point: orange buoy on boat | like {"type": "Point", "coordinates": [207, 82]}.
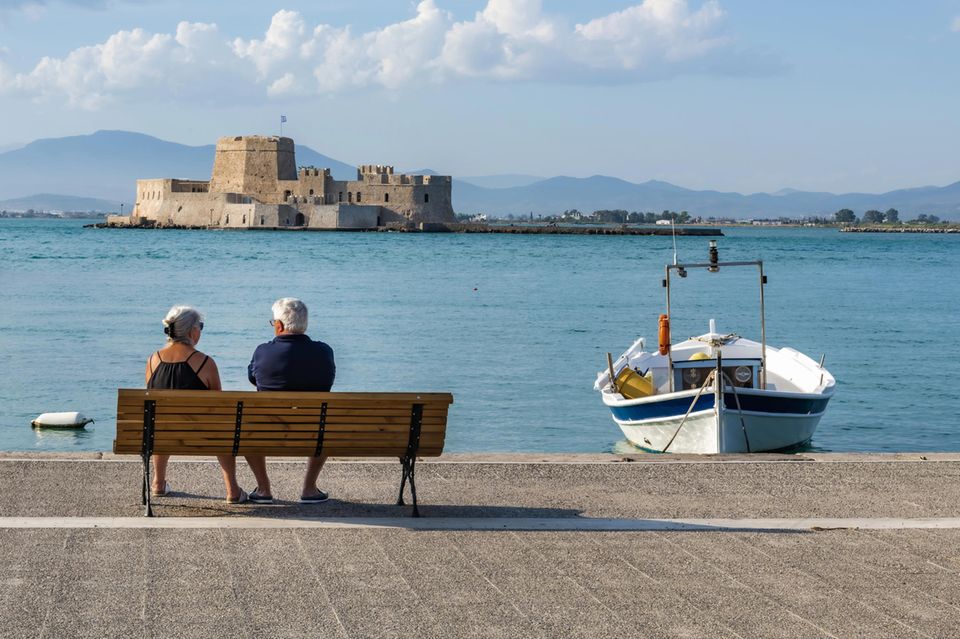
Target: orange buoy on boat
{"type": "Point", "coordinates": [664, 334]}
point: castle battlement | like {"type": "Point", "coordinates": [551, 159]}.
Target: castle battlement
{"type": "Point", "coordinates": [375, 169]}
{"type": "Point", "coordinates": [312, 171]}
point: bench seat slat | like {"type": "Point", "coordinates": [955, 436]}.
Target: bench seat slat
{"type": "Point", "coordinates": [168, 421]}
{"type": "Point", "coordinates": [263, 401]}
{"type": "Point", "coordinates": [301, 395]}
{"type": "Point", "coordinates": [279, 419]}
{"type": "Point", "coordinates": [137, 431]}
{"type": "Point", "coordinates": [280, 436]}
{"type": "Point", "coordinates": [304, 451]}
{"type": "Point", "coordinates": [277, 451]}
{"type": "Point", "coordinates": [282, 407]}
{"type": "Point", "coordinates": [226, 398]}
{"type": "Point", "coordinates": [226, 415]}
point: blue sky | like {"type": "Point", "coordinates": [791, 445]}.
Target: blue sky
{"type": "Point", "coordinates": [725, 94]}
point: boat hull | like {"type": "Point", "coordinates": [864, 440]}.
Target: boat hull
{"type": "Point", "coordinates": [787, 421]}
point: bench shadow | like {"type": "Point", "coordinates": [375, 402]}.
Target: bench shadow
{"type": "Point", "coordinates": [452, 517]}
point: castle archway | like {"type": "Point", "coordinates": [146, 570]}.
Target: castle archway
{"type": "Point", "coordinates": [299, 220]}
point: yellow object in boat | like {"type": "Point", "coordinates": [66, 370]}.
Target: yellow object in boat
{"type": "Point", "coordinates": [698, 356]}
{"type": "Point", "coordinates": [633, 385]}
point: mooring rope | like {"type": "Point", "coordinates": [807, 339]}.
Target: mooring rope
{"type": "Point", "coordinates": [690, 410]}
{"type": "Point", "coordinates": [743, 423]}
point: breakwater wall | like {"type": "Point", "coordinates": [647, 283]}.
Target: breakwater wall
{"type": "Point", "coordinates": [425, 227]}
{"type": "Point", "coordinates": [546, 229]}
{"type": "Point", "coordinates": [900, 229]}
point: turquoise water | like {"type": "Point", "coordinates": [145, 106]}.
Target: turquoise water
{"type": "Point", "coordinates": [516, 327]}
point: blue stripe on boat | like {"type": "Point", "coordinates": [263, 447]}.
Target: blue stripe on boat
{"type": "Point", "coordinates": [759, 404]}
{"type": "Point", "coordinates": [767, 404]}
{"type": "Point", "coordinates": [666, 408]}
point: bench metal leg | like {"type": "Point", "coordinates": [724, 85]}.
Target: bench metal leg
{"type": "Point", "coordinates": [413, 486]}
{"type": "Point", "coordinates": [149, 419]}
{"type": "Point", "coordinates": [409, 467]}
{"type": "Point", "coordinates": [403, 481]}
{"type": "Point", "coordinates": [148, 511]}
{"type": "Point", "coordinates": [409, 460]}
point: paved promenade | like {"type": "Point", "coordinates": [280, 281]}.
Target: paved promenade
{"type": "Point", "coordinates": [810, 545]}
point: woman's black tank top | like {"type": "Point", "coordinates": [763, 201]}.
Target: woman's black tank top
{"type": "Point", "coordinates": [177, 375]}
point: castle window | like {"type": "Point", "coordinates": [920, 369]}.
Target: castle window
{"type": "Point", "coordinates": [244, 221]}
{"type": "Point", "coordinates": [286, 195]}
{"type": "Point", "coordinates": [261, 220]}
{"type": "Point", "coordinates": [358, 196]}
{"type": "Point", "coordinates": [426, 198]}
{"type": "Point", "coordinates": [340, 196]}
{"type": "Point", "coordinates": [227, 219]}
{"type": "Point", "coordinates": [386, 197]}
{"type": "Point", "coordinates": [349, 196]}
{"type": "Point", "coordinates": [311, 191]}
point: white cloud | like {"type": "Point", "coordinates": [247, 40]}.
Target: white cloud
{"type": "Point", "coordinates": [509, 40]}
{"type": "Point", "coordinates": [191, 62]}
{"type": "Point", "coordinates": [657, 30]}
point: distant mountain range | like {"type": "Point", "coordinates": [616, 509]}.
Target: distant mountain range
{"type": "Point", "coordinates": [107, 164]}
{"type": "Point", "coordinates": [98, 171]}
{"type": "Point", "coordinates": [52, 202]}
{"type": "Point", "coordinates": [601, 192]}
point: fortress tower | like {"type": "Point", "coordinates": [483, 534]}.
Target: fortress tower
{"type": "Point", "coordinates": [254, 165]}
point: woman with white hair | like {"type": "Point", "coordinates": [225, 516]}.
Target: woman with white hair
{"type": "Point", "coordinates": [179, 365]}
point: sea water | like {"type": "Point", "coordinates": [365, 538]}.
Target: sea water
{"type": "Point", "coordinates": [515, 326]}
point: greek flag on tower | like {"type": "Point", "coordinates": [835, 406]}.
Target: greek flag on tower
{"type": "Point", "coordinates": [283, 118]}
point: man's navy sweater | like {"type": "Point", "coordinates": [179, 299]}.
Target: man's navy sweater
{"type": "Point", "coordinates": [292, 363]}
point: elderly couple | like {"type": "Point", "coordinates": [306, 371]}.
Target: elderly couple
{"type": "Point", "coordinates": [290, 362]}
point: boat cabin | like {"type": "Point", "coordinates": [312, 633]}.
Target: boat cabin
{"type": "Point", "coordinates": [742, 373]}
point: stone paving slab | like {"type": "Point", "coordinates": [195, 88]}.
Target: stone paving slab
{"type": "Point", "coordinates": [400, 582]}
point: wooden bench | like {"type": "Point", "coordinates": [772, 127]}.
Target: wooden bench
{"type": "Point", "coordinates": [281, 424]}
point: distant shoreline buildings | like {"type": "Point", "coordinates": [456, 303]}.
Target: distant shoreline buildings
{"type": "Point", "coordinates": [255, 183]}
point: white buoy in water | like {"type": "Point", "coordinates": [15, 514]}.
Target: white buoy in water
{"type": "Point", "coordinates": [71, 419]}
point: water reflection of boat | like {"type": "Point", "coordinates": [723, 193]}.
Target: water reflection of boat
{"type": "Point", "coordinates": [715, 393]}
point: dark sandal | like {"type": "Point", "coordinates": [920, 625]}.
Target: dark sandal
{"type": "Point", "coordinates": [256, 498]}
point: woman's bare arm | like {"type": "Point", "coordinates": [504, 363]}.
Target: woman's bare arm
{"type": "Point", "coordinates": [149, 369]}
{"type": "Point", "coordinates": [211, 375]}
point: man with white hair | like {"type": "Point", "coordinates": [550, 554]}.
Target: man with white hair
{"type": "Point", "coordinates": [290, 362]}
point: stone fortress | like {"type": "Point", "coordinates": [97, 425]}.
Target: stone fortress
{"type": "Point", "coordinates": [256, 184]}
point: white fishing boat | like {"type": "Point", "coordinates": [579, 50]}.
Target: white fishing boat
{"type": "Point", "coordinates": [715, 393]}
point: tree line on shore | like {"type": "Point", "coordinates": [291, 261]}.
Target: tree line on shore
{"type": "Point", "coordinates": [607, 216]}
{"type": "Point", "coordinates": [31, 213]}
{"type": "Point", "coordinates": [873, 216]}
{"type": "Point", "coordinates": [843, 217]}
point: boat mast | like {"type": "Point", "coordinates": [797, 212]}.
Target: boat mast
{"type": "Point", "coordinates": [763, 331]}
{"type": "Point", "coordinates": [666, 285]}
{"type": "Point", "coordinates": [713, 266]}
